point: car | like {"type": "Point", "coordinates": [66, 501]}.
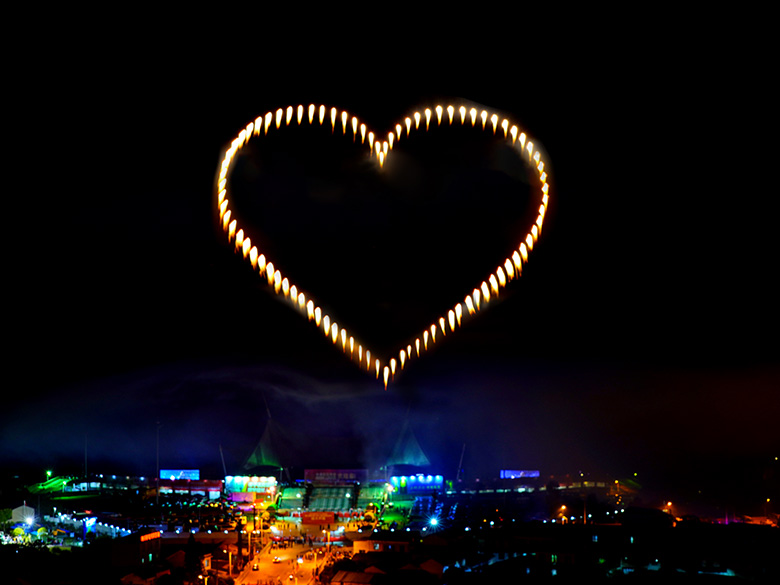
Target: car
{"type": "Point", "coordinates": [277, 560]}
{"type": "Point", "coordinates": [256, 567]}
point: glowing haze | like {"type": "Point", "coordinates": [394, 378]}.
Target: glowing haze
{"type": "Point", "coordinates": [378, 148]}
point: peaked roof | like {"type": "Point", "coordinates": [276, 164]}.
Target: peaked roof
{"type": "Point", "coordinates": [283, 448]}
{"type": "Point", "coordinates": [268, 451]}
{"type": "Point", "coordinates": [407, 450]}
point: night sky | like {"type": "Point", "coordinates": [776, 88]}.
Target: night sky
{"type": "Point", "coordinates": [641, 338]}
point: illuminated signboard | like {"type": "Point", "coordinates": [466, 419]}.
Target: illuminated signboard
{"type": "Point", "coordinates": [89, 525]}
{"type": "Point", "coordinates": [318, 518]}
{"type": "Point", "coordinates": [150, 536]}
{"type": "Point", "coordinates": [244, 483]}
{"type": "Point", "coordinates": [417, 483]}
{"type": "Point", "coordinates": [335, 476]}
{"type": "Point", "coordinates": [517, 474]}
{"type": "Point", "coordinates": [174, 474]}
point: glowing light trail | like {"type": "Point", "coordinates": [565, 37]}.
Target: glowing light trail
{"type": "Point", "coordinates": [482, 294]}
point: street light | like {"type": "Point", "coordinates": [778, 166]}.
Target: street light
{"type": "Point", "coordinates": [230, 561]}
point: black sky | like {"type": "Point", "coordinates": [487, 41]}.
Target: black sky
{"type": "Point", "coordinates": [642, 336]}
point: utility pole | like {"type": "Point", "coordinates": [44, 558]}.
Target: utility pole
{"type": "Point", "coordinates": [460, 464]}
{"type": "Point", "coordinates": [222, 456]}
{"type": "Point", "coordinates": [157, 491]}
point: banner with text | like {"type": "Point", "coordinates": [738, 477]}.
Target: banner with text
{"type": "Point", "coordinates": [335, 476]}
{"type": "Point", "coordinates": [318, 518]}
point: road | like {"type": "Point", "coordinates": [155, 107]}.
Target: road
{"type": "Point", "coordinates": [272, 572]}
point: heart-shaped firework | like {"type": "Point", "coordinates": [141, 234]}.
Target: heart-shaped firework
{"type": "Point", "coordinates": [378, 149]}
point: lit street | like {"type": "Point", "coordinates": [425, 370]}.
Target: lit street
{"type": "Point", "coordinates": [268, 571]}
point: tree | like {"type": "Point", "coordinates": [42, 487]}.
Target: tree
{"type": "Point", "coordinates": [5, 516]}
{"type": "Point", "coordinates": [192, 556]}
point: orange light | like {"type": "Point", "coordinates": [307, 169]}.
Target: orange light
{"type": "Point", "coordinates": [493, 284]}
{"type": "Point", "coordinates": [501, 277]}
{"type": "Point", "coordinates": [485, 291]}
{"type": "Point", "coordinates": [282, 285]}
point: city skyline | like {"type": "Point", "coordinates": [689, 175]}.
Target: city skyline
{"type": "Point", "coordinates": [640, 337]}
